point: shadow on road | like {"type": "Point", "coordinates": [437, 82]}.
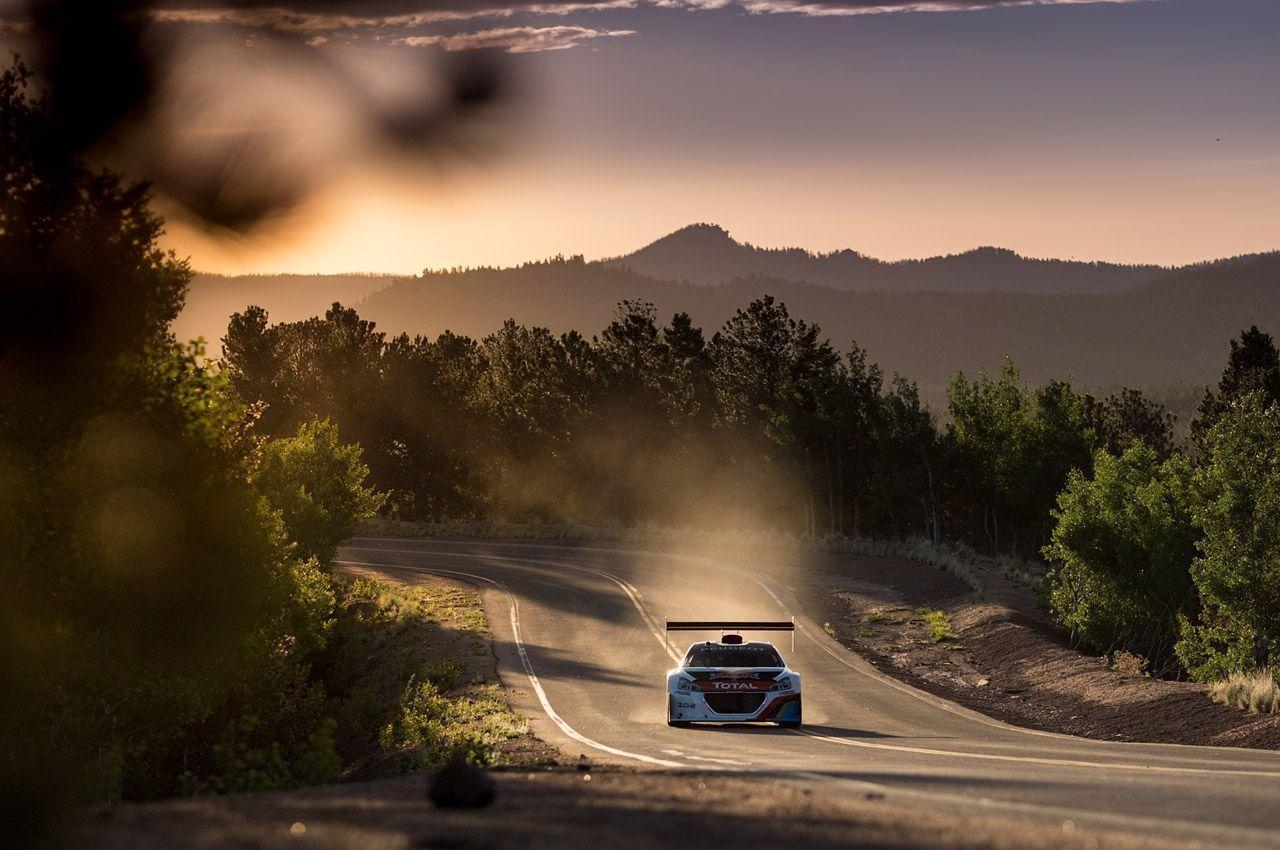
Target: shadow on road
{"type": "Point", "coordinates": [771, 729]}
{"type": "Point", "coordinates": [951, 781]}
{"type": "Point", "coordinates": [552, 583]}
{"type": "Point", "coordinates": [554, 665]}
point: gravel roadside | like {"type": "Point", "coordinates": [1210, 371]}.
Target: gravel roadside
{"type": "Point", "coordinates": [1007, 660]}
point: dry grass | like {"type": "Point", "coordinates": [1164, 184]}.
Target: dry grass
{"type": "Point", "coordinates": [1129, 663]}
{"type": "Point", "coordinates": [1256, 693]}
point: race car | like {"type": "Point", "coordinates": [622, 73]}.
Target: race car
{"type": "Point", "coordinates": [732, 680]}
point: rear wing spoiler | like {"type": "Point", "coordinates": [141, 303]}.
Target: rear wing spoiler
{"type": "Point", "coordinates": [731, 625]}
{"type": "Point", "coordinates": [735, 626]}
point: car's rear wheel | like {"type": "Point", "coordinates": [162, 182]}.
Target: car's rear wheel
{"type": "Point", "coordinates": [789, 724]}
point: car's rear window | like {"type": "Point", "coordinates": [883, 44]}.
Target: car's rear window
{"type": "Point", "coordinates": [733, 656]}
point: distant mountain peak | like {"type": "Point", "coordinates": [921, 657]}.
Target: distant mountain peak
{"type": "Point", "coordinates": [704, 227]}
{"type": "Point", "coordinates": [702, 234]}
{"type": "Point", "coordinates": [706, 253]}
{"type": "Point", "coordinates": [992, 251]}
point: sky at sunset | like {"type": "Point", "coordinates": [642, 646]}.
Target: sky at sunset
{"type": "Point", "coordinates": [1128, 131]}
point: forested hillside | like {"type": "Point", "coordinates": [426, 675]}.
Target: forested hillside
{"type": "Point", "coordinates": [707, 254]}
{"type": "Point", "coordinates": [1168, 331]}
{"type": "Point", "coordinates": [1103, 324]}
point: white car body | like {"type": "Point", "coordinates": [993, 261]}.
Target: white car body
{"type": "Point", "coordinates": [733, 681]}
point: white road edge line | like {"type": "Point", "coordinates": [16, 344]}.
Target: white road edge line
{"type": "Point", "coordinates": [634, 595]}
{"type": "Point", "coordinates": [528, 664]}
{"type": "Point", "coordinates": [719, 761]}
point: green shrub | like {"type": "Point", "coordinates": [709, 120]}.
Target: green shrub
{"type": "Point", "coordinates": [317, 483]}
{"type": "Point", "coordinates": [1238, 573]}
{"type": "Point", "coordinates": [939, 625]}
{"type": "Point", "coordinates": [1215, 648]}
{"type": "Point", "coordinates": [1124, 542]}
{"type": "Point", "coordinates": [433, 728]}
{"type": "Point", "coordinates": [445, 675]}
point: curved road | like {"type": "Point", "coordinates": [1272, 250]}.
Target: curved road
{"type": "Point", "coordinates": [578, 636]}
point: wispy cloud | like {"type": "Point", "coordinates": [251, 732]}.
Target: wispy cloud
{"type": "Point", "coordinates": [517, 39]}
{"type": "Point", "coordinates": [435, 23]}
{"type": "Point", "coordinates": [300, 19]}
{"type": "Point", "coordinates": [879, 7]}
{"type": "Point", "coordinates": [315, 18]}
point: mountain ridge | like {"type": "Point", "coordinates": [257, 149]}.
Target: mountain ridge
{"type": "Point", "coordinates": [706, 254]}
{"type": "Point", "coordinates": [1175, 329]}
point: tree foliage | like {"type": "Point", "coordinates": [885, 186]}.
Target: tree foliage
{"type": "Point", "coordinates": [84, 281]}
{"type": "Point", "coordinates": [765, 423]}
{"type": "Point", "coordinates": [1238, 573]}
{"type": "Point", "coordinates": [1161, 549]}
{"type": "Point", "coordinates": [156, 615]}
{"type": "Point", "coordinates": [1128, 415]}
{"type": "Point", "coordinates": [1253, 366]}
{"type": "Point", "coordinates": [1124, 540]}
{"type": "Point", "coordinates": [317, 484]}
{"type": "Point", "coordinates": [1011, 450]}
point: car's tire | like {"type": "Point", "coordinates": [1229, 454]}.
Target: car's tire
{"type": "Point", "coordinates": [792, 722]}
{"type": "Point", "coordinates": [678, 724]}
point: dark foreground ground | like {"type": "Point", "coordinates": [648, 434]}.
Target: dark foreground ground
{"type": "Point", "coordinates": [568, 807]}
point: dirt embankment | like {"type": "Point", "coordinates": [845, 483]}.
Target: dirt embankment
{"type": "Point", "coordinates": [1008, 661]}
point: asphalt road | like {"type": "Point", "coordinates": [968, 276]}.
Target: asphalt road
{"type": "Point", "coordinates": [578, 634]}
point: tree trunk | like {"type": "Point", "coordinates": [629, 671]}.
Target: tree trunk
{"type": "Point", "coordinates": [831, 494]}
{"type": "Point", "coordinates": [840, 486]}
{"type": "Point", "coordinates": [934, 509]}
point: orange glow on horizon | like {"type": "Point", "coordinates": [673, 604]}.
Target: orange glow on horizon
{"type": "Point", "coordinates": [521, 211]}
